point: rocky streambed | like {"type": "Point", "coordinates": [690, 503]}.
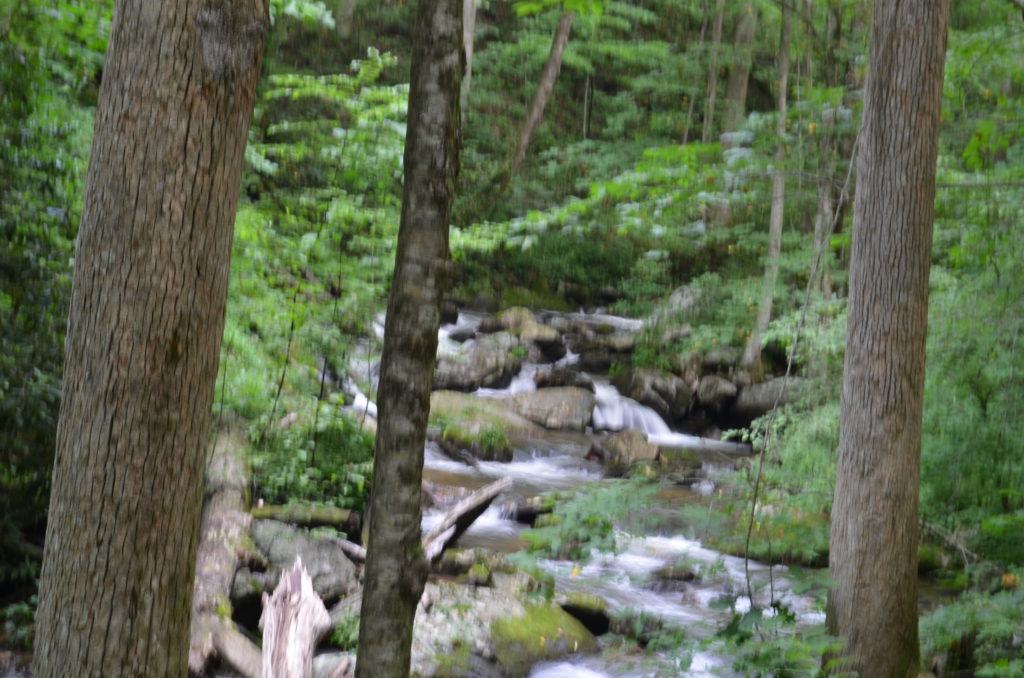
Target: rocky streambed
{"type": "Point", "coordinates": [548, 401]}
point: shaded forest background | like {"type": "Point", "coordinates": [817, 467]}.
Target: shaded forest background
{"type": "Point", "coordinates": [626, 194]}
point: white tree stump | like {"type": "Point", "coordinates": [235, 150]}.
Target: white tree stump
{"type": "Point", "coordinates": [293, 619]}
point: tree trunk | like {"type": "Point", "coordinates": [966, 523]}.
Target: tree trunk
{"type": "Point", "coordinates": [547, 83]}
{"type": "Point", "coordinates": [144, 333]}
{"type": "Point", "coordinates": [716, 41]}
{"type": "Point", "coordinates": [293, 620]}
{"type": "Point", "coordinates": [873, 601]}
{"type": "Point", "coordinates": [395, 566]}
{"type": "Point", "coordinates": [739, 74]}
{"type": "Point", "coordinates": [752, 353]}
{"type": "Point", "coordinates": [691, 106]}
{"type": "Point", "coordinates": [468, 32]}
{"type": "Point", "coordinates": [344, 13]}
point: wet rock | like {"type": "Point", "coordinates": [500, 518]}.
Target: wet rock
{"type": "Point", "coordinates": [333, 574]}
{"type": "Point", "coordinates": [758, 399]}
{"type": "Point", "coordinates": [596, 361]}
{"type": "Point", "coordinates": [541, 633]}
{"type": "Point", "coordinates": [564, 377]}
{"type": "Point", "coordinates": [546, 340]}
{"type": "Point", "coordinates": [516, 317]}
{"type": "Point", "coordinates": [490, 363]}
{"type": "Point", "coordinates": [449, 312]}
{"type": "Point", "coordinates": [479, 425]}
{"type": "Point", "coordinates": [679, 463]}
{"type": "Point", "coordinates": [625, 448]}
{"type": "Point", "coordinates": [559, 408]}
{"type": "Point", "coordinates": [716, 393]}
{"type": "Point", "coordinates": [591, 610]}
{"type": "Point", "coordinates": [462, 334]}
{"type": "Point", "coordinates": [721, 359]}
{"type": "Point", "coordinates": [663, 392]}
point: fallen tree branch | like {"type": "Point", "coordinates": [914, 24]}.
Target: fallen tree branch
{"type": "Point", "coordinates": [460, 517]}
{"type": "Point", "coordinates": [341, 519]}
{"type": "Point", "coordinates": [223, 532]}
{"type": "Point", "coordinates": [293, 619]}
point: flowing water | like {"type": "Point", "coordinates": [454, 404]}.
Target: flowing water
{"type": "Point", "coordinates": [626, 579]}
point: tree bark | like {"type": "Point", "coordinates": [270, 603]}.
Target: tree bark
{"type": "Point", "coordinates": [873, 601]}
{"type": "Point", "coordinates": [752, 353]}
{"type": "Point", "coordinates": [716, 41]}
{"type": "Point", "coordinates": [739, 74]}
{"type": "Point", "coordinates": [395, 566]}
{"type": "Point", "coordinates": [344, 13]}
{"type": "Point", "coordinates": [540, 98]}
{"type": "Point", "coordinates": [691, 105]}
{"type": "Point", "coordinates": [144, 333]}
{"type": "Point", "coordinates": [293, 619]}
{"type": "Point", "coordinates": [468, 33]}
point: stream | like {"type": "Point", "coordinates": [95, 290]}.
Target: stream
{"type": "Point", "coordinates": [555, 461]}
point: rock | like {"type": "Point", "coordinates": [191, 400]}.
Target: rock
{"type": "Point", "coordinates": [591, 610]}
{"type": "Point", "coordinates": [625, 448]}
{"type": "Point", "coordinates": [564, 377]}
{"type": "Point", "coordinates": [480, 425]}
{"type": "Point", "coordinates": [541, 633]}
{"type": "Point", "coordinates": [449, 312]}
{"type": "Point", "coordinates": [546, 339]}
{"type": "Point", "coordinates": [675, 333]}
{"type": "Point", "coordinates": [684, 300]}
{"type": "Point", "coordinates": [490, 325]}
{"type": "Point", "coordinates": [721, 359]}
{"type": "Point", "coordinates": [679, 463]}
{"type": "Point", "coordinates": [328, 665]}
{"type": "Point", "coordinates": [516, 317]}
{"type": "Point", "coordinates": [462, 334]}
{"type": "Point", "coordinates": [672, 578]}
{"type": "Point", "coordinates": [753, 401]}
{"type": "Point", "coordinates": [716, 393]}
{"type": "Point", "coordinates": [663, 392]}
{"type": "Point", "coordinates": [596, 361]}
{"type": "Point", "coordinates": [490, 363]}
{"type": "Point", "coordinates": [333, 574]}
{"type": "Point", "coordinates": [565, 407]}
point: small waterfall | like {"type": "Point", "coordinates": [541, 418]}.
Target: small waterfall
{"type": "Point", "coordinates": [614, 412]}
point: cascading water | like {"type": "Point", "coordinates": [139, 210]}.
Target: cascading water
{"type": "Point", "coordinates": [615, 412]}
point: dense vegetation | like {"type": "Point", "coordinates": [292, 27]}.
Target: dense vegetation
{"type": "Point", "coordinates": [611, 208]}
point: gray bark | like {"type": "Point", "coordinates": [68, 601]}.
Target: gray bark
{"type": "Point", "coordinates": [716, 41]}
{"type": "Point", "coordinates": [144, 333]}
{"type": "Point", "coordinates": [752, 353]}
{"type": "Point", "coordinates": [739, 74]}
{"type": "Point", "coordinates": [395, 565]}
{"type": "Point", "coordinates": [872, 558]}
{"type": "Point", "coordinates": [547, 83]}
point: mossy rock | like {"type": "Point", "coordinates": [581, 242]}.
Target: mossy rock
{"type": "Point", "coordinates": [544, 633]}
{"type": "Point", "coordinates": [591, 610]}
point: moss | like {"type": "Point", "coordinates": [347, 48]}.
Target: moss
{"type": "Point", "coordinates": [455, 663]}
{"type": "Point", "coordinates": [544, 633]}
{"type": "Point", "coordinates": [478, 575]}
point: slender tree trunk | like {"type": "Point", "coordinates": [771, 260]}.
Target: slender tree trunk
{"type": "Point", "coordinates": [739, 74]}
{"type": "Point", "coordinates": [691, 107]}
{"type": "Point", "coordinates": [716, 41]}
{"type": "Point", "coordinates": [873, 602]}
{"type": "Point", "coordinates": [344, 12]}
{"type": "Point", "coordinates": [547, 83]}
{"type": "Point", "coordinates": [395, 567]}
{"type": "Point", "coordinates": [144, 333]}
{"type": "Point", "coordinates": [764, 312]}
{"type": "Point", "coordinates": [468, 32]}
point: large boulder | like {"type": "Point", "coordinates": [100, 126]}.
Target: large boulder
{"type": "Point", "coordinates": [716, 393]}
{"type": "Point", "coordinates": [480, 425]}
{"type": "Point", "coordinates": [542, 633]}
{"type": "Point", "coordinates": [490, 363]}
{"type": "Point", "coordinates": [333, 574]}
{"type": "Point", "coordinates": [663, 392]}
{"type": "Point", "coordinates": [556, 408]}
{"type": "Point", "coordinates": [545, 342]}
{"type": "Point", "coordinates": [621, 450]}
{"type": "Point", "coordinates": [564, 377]}
{"type": "Point", "coordinates": [758, 399]}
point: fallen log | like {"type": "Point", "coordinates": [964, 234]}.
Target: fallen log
{"type": "Point", "coordinates": [460, 517]}
{"type": "Point", "coordinates": [300, 515]}
{"type": "Point", "coordinates": [223, 533]}
{"type": "Point", "coordinates": [293, 619]}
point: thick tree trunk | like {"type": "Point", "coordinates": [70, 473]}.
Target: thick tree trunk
{"type": "Point", "coordinates": [873, 602]}
{"type": "Point", "coordinates": [692, 105]}
{"type": "Point", "coordinates": [395, 566]}
{"type": "Point", "coordinates": [739, 74]}
{"type": "Point", "coordinates": [716, 42]}
{"type": "Point", "coordinates": [752, 353]}
{"type": "Point", "coordinates": [547, 83]}
{"type": "Point", "coordinates": [144, 333]}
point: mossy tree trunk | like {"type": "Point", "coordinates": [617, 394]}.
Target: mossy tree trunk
{"type": "Point", "coordinates": [395, 567]}
{"type": "Point", "coordinates": [873, 552]}
{"type": "Point", "coordinates": [739, 74]}
{"type": "Point", "coordinates": [144, 333]}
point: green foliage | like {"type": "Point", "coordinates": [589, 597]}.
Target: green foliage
{"type": "Point", "coordinates": [586, 520]}
{"type": "Point", "coordinates": [330, 466]}
{"type": "Point", "coordinates": [346, 633]}
{"type": "Point", "coordinates": [768, 642]}
{"type": "Point", "coordinates": [990, 624]}
{"type": "Point", "coordinates": [49, 60]}
{"type": "Point", "coordinates": [18, 624]}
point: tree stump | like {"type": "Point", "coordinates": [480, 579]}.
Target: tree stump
{"type": "Point", "coordinates": [293, 618]}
